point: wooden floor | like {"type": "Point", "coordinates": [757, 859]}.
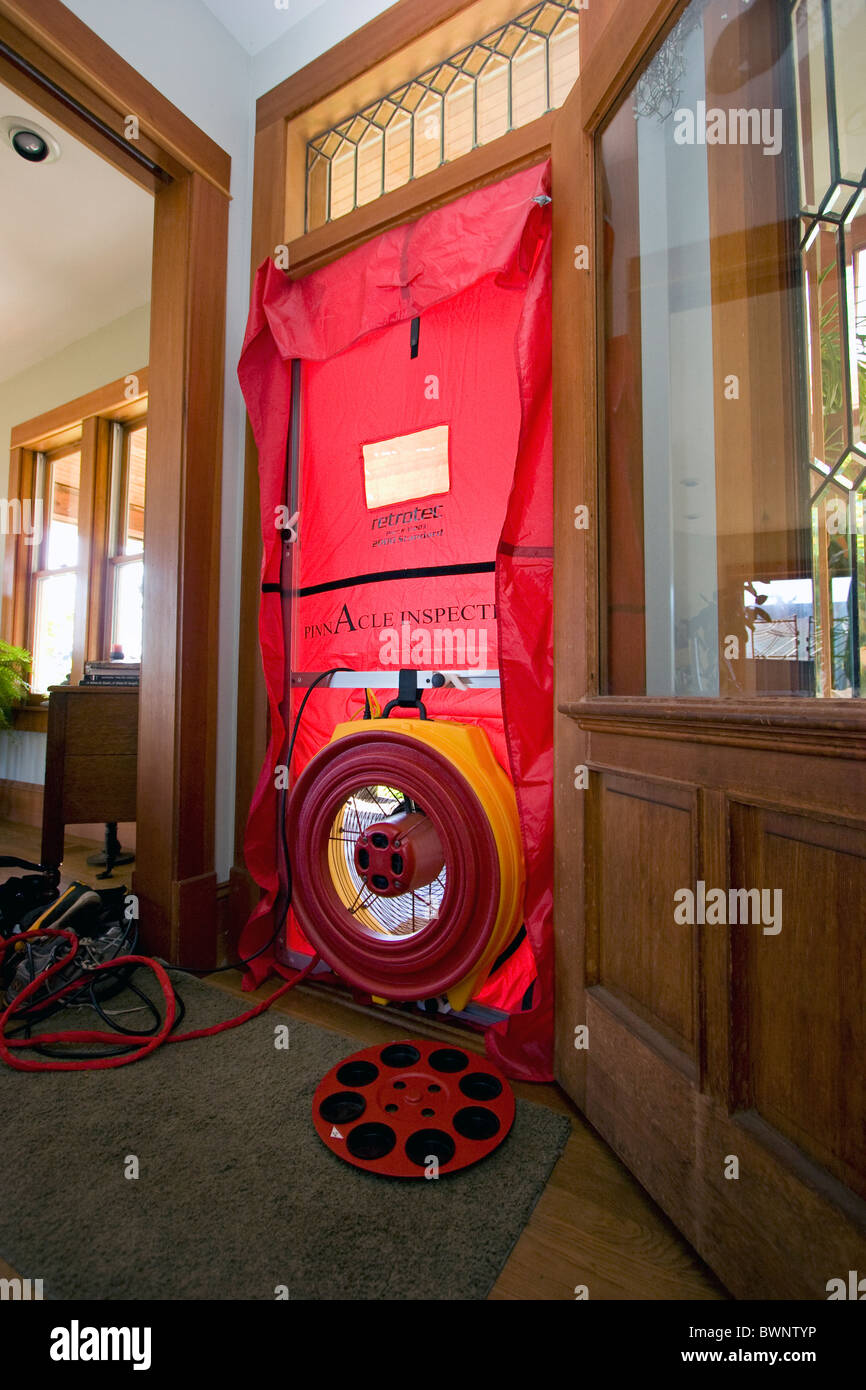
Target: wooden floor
{"type": "Point", "coordinates": [24, 842]}
{"type": "Point", "coordinates": [594, 1225]}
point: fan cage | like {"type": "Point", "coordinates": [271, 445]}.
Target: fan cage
{"type": "Point", "coordinates": [405, 915]}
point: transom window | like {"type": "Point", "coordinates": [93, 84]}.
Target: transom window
{"type": "Point", "coordinates": [510, 77]}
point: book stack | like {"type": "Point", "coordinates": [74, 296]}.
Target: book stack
{"type": "Point", "coordinates": [112, 673]}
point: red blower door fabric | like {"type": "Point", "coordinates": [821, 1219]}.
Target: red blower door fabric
{"type": "Point", "coordinates": [421, 363]}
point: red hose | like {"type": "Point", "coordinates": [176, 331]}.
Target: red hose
{"type": "Point", "coordinates": [148, 1042]}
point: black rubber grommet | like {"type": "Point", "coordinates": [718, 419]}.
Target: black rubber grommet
{"type": "Point", "coordinates": [481, 1085]}
{"type": "Point", "coordinates": [371, 1141]}
{"type": "Point", "coordinates": [425, 1144]}
{"type": "Point", "coordinates": [400, 1055]}
{"type": "Point", "coordinates": [342, 1108]}
{"type": "Point", "coordinates": [448, 1059]}
{"type": "Point", "coordinates": [475, 1123]}
{"type": "Point", "coordinates": [357, 1074]}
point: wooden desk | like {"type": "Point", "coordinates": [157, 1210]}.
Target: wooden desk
{"type": "Point", "coordinates": [91, 764]}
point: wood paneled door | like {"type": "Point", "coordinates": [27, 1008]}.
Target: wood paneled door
{"type": "Point", "coordinates": [710, 419]}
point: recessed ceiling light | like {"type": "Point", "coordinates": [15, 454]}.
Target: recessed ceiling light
{"type": "Point", "coordinates": [30, 141]}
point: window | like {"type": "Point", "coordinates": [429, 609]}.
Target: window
{"type": "Point", "coordinates": [56, 576]}
{"type": "Point", "coordinates": [76, 591]}
{"type": "Point", "coordinates": [735, 357]}
{"type": "Point", "coordinates": [506, 79]}
{"type": "Point", "coordinates": [126, 563]}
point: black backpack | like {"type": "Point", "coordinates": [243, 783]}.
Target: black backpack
{"type": "Point", "coordinates": [24, 899]}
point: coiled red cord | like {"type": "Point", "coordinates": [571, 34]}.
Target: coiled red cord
{"type": "Point", "coordinates": [147, 1042]}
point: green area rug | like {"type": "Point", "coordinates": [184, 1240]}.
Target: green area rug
{"type": "Point", "coordinates": [236, 1196]}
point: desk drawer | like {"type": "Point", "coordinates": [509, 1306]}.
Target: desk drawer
{"type": "Point", "coordinates": [98, 787]}
{"type": "Point", "coordinates": [107, 725]}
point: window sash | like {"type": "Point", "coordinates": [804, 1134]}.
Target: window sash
{"type": "Point", "coordinates": [103, 445]}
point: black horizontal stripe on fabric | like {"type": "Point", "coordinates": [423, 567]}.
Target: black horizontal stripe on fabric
{"type": "Point", "coordinates": [423, 572]}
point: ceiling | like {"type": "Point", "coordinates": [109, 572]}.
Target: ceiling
{"type": "Point", "coordinates": [75, 246]}
{"type": "Point", "coordinates": [257, 23]}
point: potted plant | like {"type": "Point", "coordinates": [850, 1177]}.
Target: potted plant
{"type": "Point", "coordinates": [14, 665]}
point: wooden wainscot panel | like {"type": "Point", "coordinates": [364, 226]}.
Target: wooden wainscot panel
{"type": "Point", "coordinates": [776, 1230]}
{"type": "Point", "coordinates": [645, 851]}
{"type": "Point", "coordinates": [657, 1140]}
{"type": "Point", "coordinates": [779, 1229]}
{"type": "Point", "coordinates": [801, 984]}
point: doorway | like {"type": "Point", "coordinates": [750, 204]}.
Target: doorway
{"type": "Point", "coordinates": [57, 64]}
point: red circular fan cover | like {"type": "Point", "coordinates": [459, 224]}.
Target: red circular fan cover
{"type": "Point", "coordinates": [413, 1109]}
{"type": "Point", "coordinates": [406, 967]}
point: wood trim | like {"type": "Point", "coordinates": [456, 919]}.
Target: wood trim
{"type": "Point", "coordinates": [575, 574]}
{"type": "Point", "coordinates": [16, 564]}
{"type": "Point", "coordinates": [826, 728]}
{"type": "Point", "coordinates": [619, 51]}
{"type": "Point", "coordinates": [98, 537]}
{"type": "Point", "coordinates": [21, 802]}
{"type": "Point", "coordinates": [390, 31]}
{"type": "Point", "coordinates": [91, 120]}
{"type": "Point", "coordinates": [92, 441]}
{"type": "Point", "coordinates": [111, 400]}
{"type": "Point", "coordinates": [269, 193]}
{"type": "Point", "coordinates": [177, 725]}
{"type": "Point", "coordinates": [60, 45]}
{"type": "Point", "coordinates": [487, 164]}
{"type": "Point", "coordinates": [31, 719]}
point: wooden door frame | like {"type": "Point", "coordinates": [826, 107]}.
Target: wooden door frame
{"type": "Point", "coordinates": [606, 73]}
{"type": "Point", "coordinates": [381, 39]}
{"type": "Point", "coordinates": [56, 62]}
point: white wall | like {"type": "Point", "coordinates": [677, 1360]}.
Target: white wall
{"type": "Point", "coordinates": [183, 50]}
{"type": "Point", "coordinates": [321, 30]}
{"type": "Point", "coordinates": [186, 53]}
{"type": "Point", "coordinates": [111, 352]}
